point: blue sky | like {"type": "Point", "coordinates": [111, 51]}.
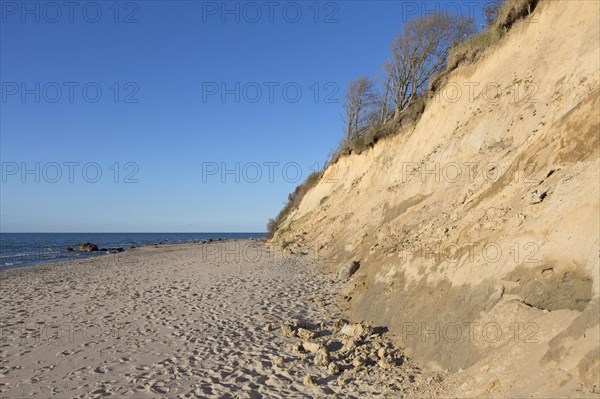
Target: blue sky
{"type": "Point", "coordinates": [120, 117]}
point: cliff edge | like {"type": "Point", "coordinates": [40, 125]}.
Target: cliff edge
{"type": "Point", "coordinates": [477, 228]}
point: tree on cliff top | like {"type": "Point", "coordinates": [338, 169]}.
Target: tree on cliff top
{"type": "Point", "coordinates": [491, 11]}
{"type": "Point", "coordinates": [359, 106]}
{"type": "Point", "coordinates": [421, 52]}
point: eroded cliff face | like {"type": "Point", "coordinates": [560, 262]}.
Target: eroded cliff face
{"type": "Point", "coordinates": [478, 228]}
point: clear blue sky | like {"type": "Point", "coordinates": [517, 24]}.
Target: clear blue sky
{"type": "Point", "coordinates": [161, 119]}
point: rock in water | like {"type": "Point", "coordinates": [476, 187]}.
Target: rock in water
{"type": "Point", "coordinates": [87, 247]}
{"type": "Point", "coordinates": [348, 270]}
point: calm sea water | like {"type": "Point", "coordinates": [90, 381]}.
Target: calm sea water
{"type": "Point", "coordinates": [25, 249]}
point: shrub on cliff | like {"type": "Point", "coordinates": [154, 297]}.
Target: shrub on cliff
{"type": "Point", "coordinates": [410, 116]}
{"type": "Point", "coordinates": [513, 10]}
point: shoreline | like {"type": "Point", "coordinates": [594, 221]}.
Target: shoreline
{"type": "Point", "coordinates": [64, 255]}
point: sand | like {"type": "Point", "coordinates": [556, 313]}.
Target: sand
{"type": "Point", "coordinates": [176, 321]}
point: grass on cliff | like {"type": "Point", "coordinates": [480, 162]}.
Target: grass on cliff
{"type": "Point", "coordinates": [507, 14]}
{"type": "Point", "coordinates": [293, 201]}
{"type": "Point", "coordinates": [471, 50]}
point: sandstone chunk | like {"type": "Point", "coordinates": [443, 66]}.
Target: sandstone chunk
{"type": "Point", "coordinates": [322, 358]}
{"type": "Point", "coordinates": [297, 348]}
{"type": "Point", "coordinates": [311, 347]}
{"type": "Point", "coordinates": [347, 271]}
{"type": "Point", "coordinates": [309, 380]}
{"type": "Point", "coordinates": [339, 323]}
{"type": "Point", "coordinates": [382, 353]}
{"type": "Point", "coordinates": [353, 330]}
{"type": "Point", "coordinates": [349, 344]}
{"type": "Point", "coordinates": [385, 363]}
{"type": "Point", "coordinates": [305, 334]}
{"type": "Point", "coordinates": [333, 369]}
{"type": "Point", "coordinates": [288, 330]}
{"type": "Point", "coordinates": [358, 361]}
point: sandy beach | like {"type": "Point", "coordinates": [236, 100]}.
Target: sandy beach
{"type": "Point", "coordinates": [197, 320]}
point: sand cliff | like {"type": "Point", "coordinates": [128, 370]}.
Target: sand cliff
{"type": "Point", "coordinates": [477, 228]}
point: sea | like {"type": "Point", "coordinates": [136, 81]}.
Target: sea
{"type": "Point", "coordinates": [26, 249]}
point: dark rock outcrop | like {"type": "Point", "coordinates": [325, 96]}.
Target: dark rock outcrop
{"type": "Point", "coordinates": [87, 247]}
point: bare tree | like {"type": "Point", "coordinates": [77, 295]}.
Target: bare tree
{"type": "Point", "coordinates": [384, 102]}
{"type": "Point", "coordinates": [421, 52]}
{"type": "Point", "coordinates": [359, 103]}
{"type": "Point", "coordinates": [491, 10]}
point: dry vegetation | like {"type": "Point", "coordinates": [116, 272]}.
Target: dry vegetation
{"type": "Point", "coordinates": [500, 16]}
{"type": "Point", "coordinates": [470, 50]}
{"type": "Point", "coordinates": [294, 200]}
